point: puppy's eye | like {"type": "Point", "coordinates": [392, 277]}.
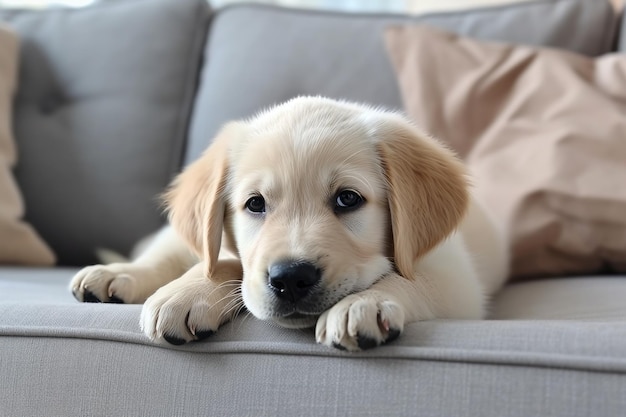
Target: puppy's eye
{"type": "Point", "coordinates": [256, 204]}
{"type": "Point", "coordinates": [348, 200]}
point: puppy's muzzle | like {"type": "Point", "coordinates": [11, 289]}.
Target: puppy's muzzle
{"type": "Point", "coordinates": [293, 280]}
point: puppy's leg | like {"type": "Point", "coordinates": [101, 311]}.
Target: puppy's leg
{"type": "Point", "coordinates": [442, 289]}
{"type": "Point", "coordinates": [369, 318]}
{"type": "Point", "coordinates": [165, 259]}
{"type": "Point", "coordinates": [194, 306]}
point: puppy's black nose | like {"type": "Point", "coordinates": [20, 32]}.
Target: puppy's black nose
{"type": "Point", "coordinates": [293, 280]}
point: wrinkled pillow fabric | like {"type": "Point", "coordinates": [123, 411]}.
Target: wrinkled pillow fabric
{"type": "Point", "coordinates": [543, 131]}
{"type": "Point", "coordinates": [19, 243]}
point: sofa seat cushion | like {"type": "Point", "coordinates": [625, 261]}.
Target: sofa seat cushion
{"type": "Point", "coordinates": [63, 356]}
{"type": "Point", "coordinates": [101, 117]}
{"type": "Point", "coordinates": [599, 298]}
{"type": "Point", "coordinates": [37, 302]}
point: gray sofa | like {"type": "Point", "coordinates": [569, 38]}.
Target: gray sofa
{"type": "Point", "coordinates": [116, 98]}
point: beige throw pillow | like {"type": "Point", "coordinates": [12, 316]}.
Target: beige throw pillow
{"type": "Point", "coordinates": [19, 243]}
{"type": "Point", "coordinates": [542, 130]}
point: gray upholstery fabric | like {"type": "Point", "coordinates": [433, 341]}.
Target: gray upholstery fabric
{"type": "Point", "coordinates": [62, 358]}
{"type": "Point", "coordinates": [101, 117]}
{"type": "Point", "coordinates": [259, 56]}
{"type": "Point", "coordinates": [118, 379]}
{"type": "Point", "coordinates": [587, 299]}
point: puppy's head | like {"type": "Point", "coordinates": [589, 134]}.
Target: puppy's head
{"type": "Point", "coordinates": [319, 199]}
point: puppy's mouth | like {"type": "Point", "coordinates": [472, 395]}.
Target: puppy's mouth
{"type": "Point", "coordinates": [304, 313]}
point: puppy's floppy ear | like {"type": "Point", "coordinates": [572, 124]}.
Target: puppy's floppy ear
{"type": "Point", "coordinates": [196, 199]}
{"type": "Point", "coordinates": [428, 190]}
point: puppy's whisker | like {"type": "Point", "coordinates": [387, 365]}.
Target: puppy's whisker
{"type": "Point", "coordinates": [240, 308]}
{"type": "Point", "coordinates": [244, 317]}
{"type": "Point", "coordinates": [233, 298]}
{"type": "Point", "coordinates": [234, 308]}
{"type": "Point", "coordinates": [223, 285]}
{"type": "Point", "coordinates": [229, 283]}
{"type": "Point", "coordinates": [226, 314]}
{"type": "Point", "coordinates": [233, 295]}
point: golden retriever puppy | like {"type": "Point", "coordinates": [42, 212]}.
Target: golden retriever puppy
{"type": "Point", "coordinates": [313, 213]}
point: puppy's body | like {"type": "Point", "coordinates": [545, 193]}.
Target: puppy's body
{"type": "Point", "coordinates": [315, 212]}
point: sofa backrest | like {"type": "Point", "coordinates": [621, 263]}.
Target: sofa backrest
{"type": "Point", "coordinates": [257, 56]}
{"type": "Point", "coordinates": [101, 117]}
{"type": "Point", "coordinates": [621, 45]}
{"type": "Point", "coordinates": [106, 93]}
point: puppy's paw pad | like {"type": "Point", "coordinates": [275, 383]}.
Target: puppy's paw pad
{"type": "Point", "coordinates": [114, 300]}
{"type": "Point", "coordinates": [173, 340]}
{"type": "Point", "coordinates": [203, 334]}
{"type": "Point", "coordinates": [359, 323]}
{"type": "Point", "coordinates": [366, 342]}
{"type": "Point", "coordinates": [88, 297]}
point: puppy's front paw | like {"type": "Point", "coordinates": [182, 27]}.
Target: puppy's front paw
{"type": "Point", "coordinates": [114, 283]}
{"type": "Point", "coordinates": [189, 308]}
{"type": "Point", "coordinates": [360, 321]}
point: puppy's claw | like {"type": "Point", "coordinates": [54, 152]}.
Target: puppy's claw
{"type": "Point", "coordinates": [383, 324]}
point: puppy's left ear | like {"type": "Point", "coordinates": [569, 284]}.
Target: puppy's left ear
{"type": "Point", "coordinates": [196, 200]}
{"type": "Point", "coordinates": [428, 190]}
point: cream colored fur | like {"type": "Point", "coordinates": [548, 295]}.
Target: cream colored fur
{"type": "Point", "coordinates": [420, 247]}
